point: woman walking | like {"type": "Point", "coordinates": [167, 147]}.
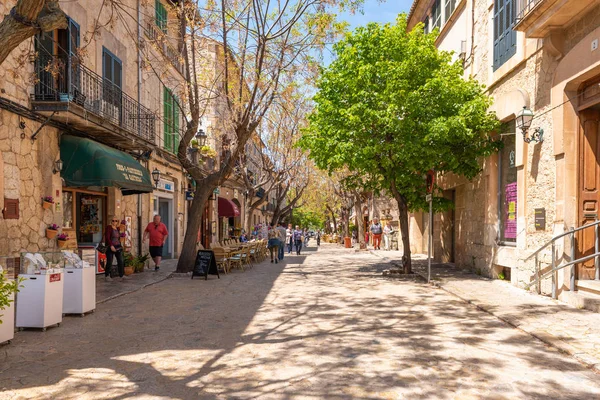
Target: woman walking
{"type": "Point", "coordinates": [112, 238]}
{"type": "Point", "coordinates": [273, 244]}
{"type": "Point", "coordinates": [298, 239]}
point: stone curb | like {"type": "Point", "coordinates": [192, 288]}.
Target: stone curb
{"type": "Point", "coordinates": [587, 360]}
{"type": "Point", "coordinates": [134, 290]}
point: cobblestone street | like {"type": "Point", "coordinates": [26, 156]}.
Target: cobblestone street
{"type": "Point", "coordinates": [323, 325]}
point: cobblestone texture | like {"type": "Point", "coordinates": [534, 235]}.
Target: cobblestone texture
{"type": "Point", "coordinates": [319, 326]}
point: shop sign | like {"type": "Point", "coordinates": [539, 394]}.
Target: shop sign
{"type": "Point", "coordinates": [54, 277]}
{"type": "Point", "coordinates": [130, 173]}
{"type": "Point", "coordinates": [168, 186]}
{"type": "Point", "coordinates": [189, 195]}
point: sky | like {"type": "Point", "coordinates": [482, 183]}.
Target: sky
{"type": "Point", "coordinates": [381, 11]}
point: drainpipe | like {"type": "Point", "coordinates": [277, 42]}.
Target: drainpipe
{"type": "Point", "coordinates": [139, 100]}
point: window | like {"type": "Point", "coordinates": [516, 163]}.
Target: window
{"type": "Point", "coordinates": [450, 5]}
{"type": "Point", "coordinates": [427, 29]}
{"type": "Point", "coordinates": [505, 37]}
{"type": "Point", "coordinates": [436, 14]}
{"type": "Point", "coordinates": [161, 16]}
{"type": "Point", "coordinates": [507, 207]}
{"type": "Point", "coordinates": [171, 120]}
{"type": "Point", "coordinates": [111, 68]}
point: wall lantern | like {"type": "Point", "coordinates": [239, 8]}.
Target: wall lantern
{"type": "Point", "coordinates": [201, 137]}
{"type": "Point", "coordinates": [156, 176]}
{"type": "Point", "coordinates": [57, 167]}
{"type": "Point", "coordinates": [524, 118]}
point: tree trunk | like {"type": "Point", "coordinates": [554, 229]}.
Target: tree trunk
{"type": "Point", "coordinates": [188, 251]}
{"type": "Point", "coordinates": [404, 228]}
{"type": "Point", "coordinates": [249, 212]}
{"type": "Point", "coordinates": [360, 226]}
{"type": "Point", "coordinates": [25, 20]}
{"type": "Point", "coordinates": [345, 222]}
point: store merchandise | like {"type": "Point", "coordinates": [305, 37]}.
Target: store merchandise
{"type": "Point", "coordinates": [72, 260]}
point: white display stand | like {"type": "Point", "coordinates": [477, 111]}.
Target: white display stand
{"type": "Point", "coordinates": [40, 300]}
{"type": "Point", "coordinates": [7, 327]}
{"type": "Point", "coordinates": [80, 290]}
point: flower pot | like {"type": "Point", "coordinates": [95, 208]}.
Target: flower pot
{"type": "Point", "coordinates": [47, 205]}
{"type": "Point", "coordinates": [61, 243]}
{"type": "Point", "coordinates": [129, 270]}
{"type": "Point", "coordinates": [51, 233]}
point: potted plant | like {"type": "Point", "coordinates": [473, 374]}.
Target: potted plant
{"type": "Point", "coordinates": [8, 288]}
{"type": "Point", "coordinates": [128, 260]}
{"type": "Point", "coordinates": [52, 231]}
{"type": "Point", "coordinates": [140, 262]}
{"type": "Point", "coordinates": [61, 240]}
{"type": "Point", "coordinates": [47, 202]}
{"type": "Point", "coordinates": [194, 143]}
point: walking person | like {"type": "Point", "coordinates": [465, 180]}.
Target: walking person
{"type": "Point", "coordinates": [298, 239]}
{"type": "Point", "coordinates": [318, 238]}
{"type": "Point", "coordinates": [305, 236]}
{"type": "Point", "coordinates": [387, 236]}
{"type": "Point", "coordinates": [376, 231]}
{"type": "Point", "coordinates": [157, 231]}
{"type": "Point", "coordinates": [282, 238]}
{"type": "Point", "coordinates": [112, 238]}
{"type": "Point", "coordinates": [289, 237]}
{"type": "Point", "coordinates": [273, 244]}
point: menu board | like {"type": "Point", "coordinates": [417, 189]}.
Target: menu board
{"type": "Point", "coordinates": [510, 226]}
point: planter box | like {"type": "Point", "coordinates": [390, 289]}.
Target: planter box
{"type": "Point", "coordinates": [79, 294]}
{"type": "Point", "coordinates": [7, 327]}
{"type": "Point", "coordinates": [40, 300]}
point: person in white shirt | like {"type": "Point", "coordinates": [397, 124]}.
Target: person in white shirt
{"type": "Point", "coordinates": [289, 233]}
{"type": "Point", "coordinates": [387, 236]}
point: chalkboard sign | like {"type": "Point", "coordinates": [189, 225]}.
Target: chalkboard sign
{"type": "Point", "coordinates": [205, 264]}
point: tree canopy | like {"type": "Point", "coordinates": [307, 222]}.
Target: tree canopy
{"type": "Point", "coordinates": [391, 107]}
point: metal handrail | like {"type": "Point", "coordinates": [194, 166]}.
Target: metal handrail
{"type": "Point", "coordinates": [554, 268]}
{"type": "Point", "coordinates": [561, 236]}
{"type": "Point", "coordinates": [524, 7]}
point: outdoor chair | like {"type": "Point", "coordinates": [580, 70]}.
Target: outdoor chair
{"type": "Point", "coordinates": [237, 258]}
{"type": "Point", "coordinates": [222, 258]}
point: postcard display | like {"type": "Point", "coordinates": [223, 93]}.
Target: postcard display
{"type": "Point", "coordinates": [79, 296]}
{"type": "Point", "coordinates": [7, 327]}
{"type": "Point", "coordinates": [40, 298]}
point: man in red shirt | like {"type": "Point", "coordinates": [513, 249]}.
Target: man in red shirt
{"type": "Point", "coordinates": [157, 231]}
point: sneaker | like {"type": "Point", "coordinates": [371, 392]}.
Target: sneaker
{"type": "Point", "coordinates": [271, 261]}
{"type": "Point", "coordinates": [276, 262]}
{"type": "Point", "coordinates": [156, 268]}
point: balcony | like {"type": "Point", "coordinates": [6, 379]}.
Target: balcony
{"type": "Point", "coordinates": [537, 18]}
{"type": "Point", "coordinates": [158, 37]}
{"type": "Point", "coordinates": [73, 94]}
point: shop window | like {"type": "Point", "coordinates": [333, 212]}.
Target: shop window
{"type": "Point", "coordinates": [90, 219]}
{"type": "Point", "coordinates": [160, 16]}
{"type": "Point", "coordinates": [505, 37]}
{"type": "Point", "coordinates": [68, 210]}
{"type": "Point", "coordinates": [507, 207]}
{"type": "Point", "coordinates": [171, 120]}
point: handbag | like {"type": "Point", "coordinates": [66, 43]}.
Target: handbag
{"type": "Point", "coordinates": [101, 248]}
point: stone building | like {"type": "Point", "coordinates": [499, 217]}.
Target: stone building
{"type": "Point", "coordinates": [542, 55]}
{"type": "Point", "coordinates": [85, 118]}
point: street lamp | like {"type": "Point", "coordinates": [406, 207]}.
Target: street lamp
{"type": "Point", "coordinates": [201, 137]}
{"type": "Point", "coordinates": [524, 118]}
{"type": "Point", "coordinates": [156, 176]}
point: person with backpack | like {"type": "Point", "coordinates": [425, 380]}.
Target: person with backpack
{"type": "Point", "coordinates": [376, 231]}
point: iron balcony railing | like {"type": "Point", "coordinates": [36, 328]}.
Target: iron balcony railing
{"type": "Point", "coordinates": [65, 79]}
{"type": "Point", "coordinates": [524, 7]}
{"type": "Point", "coordinates": [554, 268]}
{"type": "Point", "coordinates": [155, 34]}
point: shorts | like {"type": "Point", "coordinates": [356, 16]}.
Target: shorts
{"type": "Point", "coordinates": [156, 251]}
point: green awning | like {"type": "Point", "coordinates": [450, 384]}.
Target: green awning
{"type": "Point", "coordinates": [89, 163]}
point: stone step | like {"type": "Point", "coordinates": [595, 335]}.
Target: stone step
{"type": "Point", "coordinates": [581, 299]}
{"type": "Point", "coordinates": [588, 286]}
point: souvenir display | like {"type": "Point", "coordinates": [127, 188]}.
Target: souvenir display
{"type": "Point", "coordinates": [79, 294]}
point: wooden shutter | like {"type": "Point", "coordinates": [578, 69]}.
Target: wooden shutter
{"type": "Point", "coordinates": [505, 37]}
{"type": "Point", "coordinates": [167, 118]}
{"type": "Point", "coordinates": [160, 16]}
{"type": "Point", "coordinates": [11, 209]}
{"type": "Point", "coordinates": [175, 104]}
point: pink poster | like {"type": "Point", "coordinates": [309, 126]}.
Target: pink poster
{"type": "Point", "coordinates": [510, 225]}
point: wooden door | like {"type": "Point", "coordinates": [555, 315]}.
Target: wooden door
{"type": "Point", "coordinates": [589, 187]}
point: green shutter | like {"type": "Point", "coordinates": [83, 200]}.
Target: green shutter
{"type": "Point", "coordinates": [175, 124]}
{"type": "Point", "coordinates": [167, 118]}
{"type": "Point", "coordinates": [160, 16]}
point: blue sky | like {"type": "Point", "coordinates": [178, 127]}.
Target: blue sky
{"type": "Point", "coordinates": [375, 11]}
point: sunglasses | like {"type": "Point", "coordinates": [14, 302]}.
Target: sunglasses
{"type": "Point", "coordinates": [115, 220]}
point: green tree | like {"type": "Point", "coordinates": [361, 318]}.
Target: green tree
{"type": "Point", "coordinates": [391, 107]}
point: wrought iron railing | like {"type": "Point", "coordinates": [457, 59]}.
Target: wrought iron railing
{"type": "Point", "coordinates": [65, 79]}
{"type": "Point", "coordinates": [155, 34]}
{"type": "Point", "coordinates": [573, 262]}
{"type": "Point", "coordinates": [524, 7]}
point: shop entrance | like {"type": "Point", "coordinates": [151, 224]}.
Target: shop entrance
{"type": "Point", "coordinates": [164, 208]}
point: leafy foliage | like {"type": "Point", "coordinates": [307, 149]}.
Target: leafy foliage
{"type": "Point", "coordinates": [7, 288]}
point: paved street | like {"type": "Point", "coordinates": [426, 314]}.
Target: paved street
{"type": "Point", "coordinates": [325, 325]}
